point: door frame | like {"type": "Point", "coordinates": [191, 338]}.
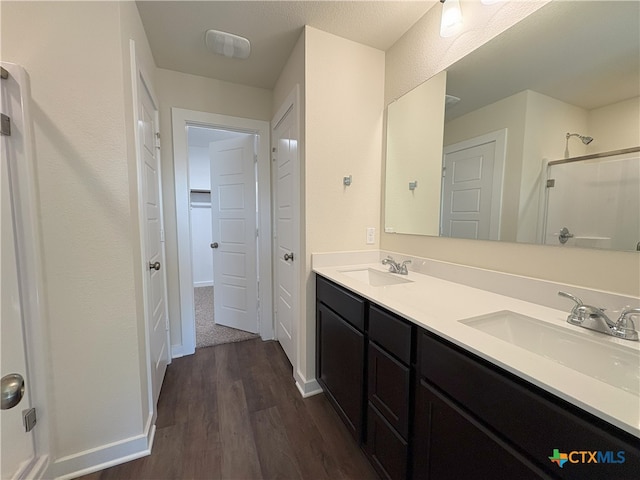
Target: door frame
{"type": "Point", "coordinates": [181, 119]}
{"type": "Point", "coordinates": [140, 78]}
{"type": "Point", "coordinates": [30, 271]}
{"type": "Point", "coordinates": [499, 137]}
{"type": "Point", "coordinates": [291, 105]}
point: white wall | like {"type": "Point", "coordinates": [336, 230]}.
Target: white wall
{"type": "Point", "coordinates": [201, 253]}
{"type": "Point", "coordinates": [615, 126]}
{"type": "Point", "coordinates": [199, 168]}
{"type": "Point", "coordinates": [201, 94]}
{"type": "Point", "coordinates": [547, 122]}
{"type": "Point", "coordinates": [420, 54]}
{"type": "Point", "coordinates": [76, 54]}
{"type": "Point", "coordinates": [343, 124]}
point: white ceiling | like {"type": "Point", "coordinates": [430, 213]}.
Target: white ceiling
{"type": "Point", "coordinates": [586, 54]}
{"type": "Point", "coordinates": [176, 31]}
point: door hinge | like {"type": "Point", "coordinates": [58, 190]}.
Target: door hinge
{"type": "Point", "coordinates": [29, 419]}
{"type": "Point", "coordinates": [162, 234]}
{"type": "Point", "coordinates": [158, 140]}
{"type": "Point", "coordinates": [256, 232]}
{"type": "Point", "coordinates": [551, 183]}
{"type": "Point", "coordinates": [444, 172]}
{"type": "Point", "coordinates": [255, 158]}
{"type": "Point", "coordinates": [5, 125]}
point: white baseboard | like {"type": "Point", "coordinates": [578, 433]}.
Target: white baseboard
{"type": "Point", "coordinates": [306, 387]}
{"type": "Point", "coordinates": [105, 456]}
{"type": "Point", "coordinates": [203, 284]}
{"type": "Point", "coordinates": [177, 351]}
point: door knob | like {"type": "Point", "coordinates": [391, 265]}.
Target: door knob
{"type": "Point", "coordinates": [154, 266]}
{"type": "Point", "coordinates": [564, 235]}
{"type": "Point", "coordinates": [214, 245]}
{"type": "Point", "coordinates": [288, 256]}
{"type": "Point", "coordinates": [12, 390]}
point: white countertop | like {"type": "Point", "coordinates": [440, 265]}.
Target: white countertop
{"type": "Point", "coordinates": [437, 305]}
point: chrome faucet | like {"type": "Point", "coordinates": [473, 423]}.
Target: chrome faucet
{"type": "Point", "coordinates": [395, 267]}
{"type": "Point", "coordinates": [594, 318]}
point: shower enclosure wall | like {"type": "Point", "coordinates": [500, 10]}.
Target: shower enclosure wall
{"type": "Point", "coordinates": [597, 199]}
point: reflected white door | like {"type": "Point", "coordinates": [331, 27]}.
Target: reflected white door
{"type": "Point", "coordinates": [286, 263]}
{"type": "Point", "coordinates": [234, 234]}
{"type": "Point", "coordinates": [467, 192]}
{"type": "Point", "coordinates": [155, 266]}
{"type": "Point", "coordinates": [17, 446]}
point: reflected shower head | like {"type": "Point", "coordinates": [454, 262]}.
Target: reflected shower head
{"type": "Point", "coordinates": [586, 140]}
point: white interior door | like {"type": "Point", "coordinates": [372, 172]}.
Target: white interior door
{"type": "Point", "coordinates": [467, 190]}
{"type": "Point", "coordinates": [155, 284]}
{"type": "Point", "coordinates": [17, 446]}
{"type": "Point", "coordinates": [234, 233]}
{"type": "Point", "coordinates": [286, 154]}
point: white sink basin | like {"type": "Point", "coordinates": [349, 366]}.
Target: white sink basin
{"type": "Point", "coordinates": [375, 278]}
{"type": "Point", "coordinates": [608, 362]}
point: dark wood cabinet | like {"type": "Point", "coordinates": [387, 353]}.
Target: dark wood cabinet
{"type": "Point", "coordinates": [388, 393]}
{"type": "Point", "coordinates": [425, 408]}
{"type": "Point", "coordinates": [388, 389]}
{"type": "Point", "coordinates": [522, 420]}
{"type": "Point", "coordinates": [448, 444]}
{"type": "Point", "coordinates": [386, 448]}
{"type": "Point", "coordinates": [341, 355]}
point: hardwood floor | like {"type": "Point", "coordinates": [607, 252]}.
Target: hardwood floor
{"type": "Point", "coordinates": [233, 412]}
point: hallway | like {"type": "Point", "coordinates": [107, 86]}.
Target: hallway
{"type": "Point", "coordinates": [232, 411]}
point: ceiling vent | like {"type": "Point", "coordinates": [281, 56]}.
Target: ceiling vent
{"type": "Point", "coordinates": [227, 44]}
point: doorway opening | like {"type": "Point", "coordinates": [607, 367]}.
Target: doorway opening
{"type": "Point", "coordinates": [220, 320]}
{"type": "Point", "coordinates": [239, 196]}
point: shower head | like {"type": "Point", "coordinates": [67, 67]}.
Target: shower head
{"type": "Point", "coordinates": [585, 139]}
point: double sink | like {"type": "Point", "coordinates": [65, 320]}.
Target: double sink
{"type": "Point", "coordinates": [591, 354]}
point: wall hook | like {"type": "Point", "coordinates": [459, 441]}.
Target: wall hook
{"type": "Point", "coordinates": [346, 181]}
{"type": "Point", "coordinates": [413, 185]}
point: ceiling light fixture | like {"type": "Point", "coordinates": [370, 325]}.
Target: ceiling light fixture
{"type": "Point", "coordinates": [451, 20]}
{"type": "Point", "coordinates": [227, 44]}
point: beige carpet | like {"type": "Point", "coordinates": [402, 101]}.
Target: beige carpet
{"type": "Point", "coordinates": [207, 332]}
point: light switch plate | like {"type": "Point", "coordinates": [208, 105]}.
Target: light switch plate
{"type": "Point", "coordinates": [371, 235]}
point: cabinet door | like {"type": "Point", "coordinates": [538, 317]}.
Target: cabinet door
{"type": "Point", "coordinates": [389, 388]}
{"type": "Point", "coordinates": [385, 447]}
{"type": "Point", "coordinates": [448, 444]}
{"type": "Point", "coordinates": [340, 367]}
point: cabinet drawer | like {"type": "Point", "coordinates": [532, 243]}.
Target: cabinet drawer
{"type": "Point", "coordinates": [389, 388]}
{"type": "Point", "coordinates": [529, 417]}
{"type": "Point", "coordinates": [386, 449]}
{"type": "Point", "coordinates": [390, 332]}
{"type": "Point", "coordinates": [347, 305]}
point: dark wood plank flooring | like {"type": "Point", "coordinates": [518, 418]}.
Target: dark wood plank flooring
{"type": "Point", "coordinates": [233, 412]}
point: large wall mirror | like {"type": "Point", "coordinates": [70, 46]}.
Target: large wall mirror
{"type": "Point", "coordinates": [534, 137]}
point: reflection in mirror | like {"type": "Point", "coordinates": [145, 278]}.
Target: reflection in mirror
{"type": "Point", "coordinates": [571, 67]}
{"type": "Point", "coordinates": [414, 142]}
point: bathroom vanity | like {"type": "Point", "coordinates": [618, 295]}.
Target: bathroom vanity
{"type": "Point", "coordinates": [428, 395]}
